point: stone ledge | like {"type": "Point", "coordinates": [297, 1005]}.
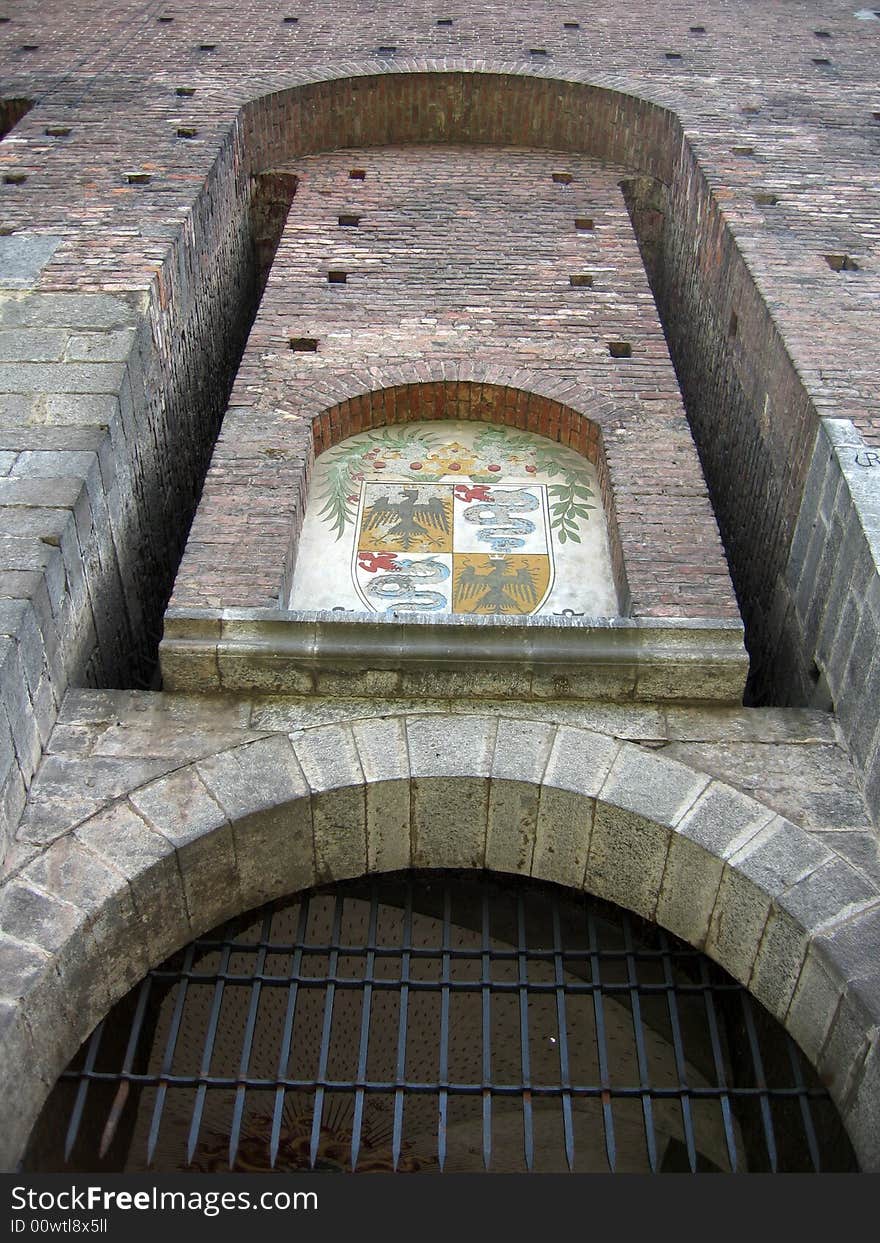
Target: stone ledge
{"type": "Point", "coordinates": [631, 659]}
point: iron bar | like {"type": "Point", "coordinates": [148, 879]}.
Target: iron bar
{"type": "Point", "coordinates": [413, 924]}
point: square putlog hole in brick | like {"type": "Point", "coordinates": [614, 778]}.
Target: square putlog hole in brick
{"type": "Point", "coordinates": [337, 277]}
{"type": "Point", "coordinates": [841, 263]}
{"type": "Point", "coordinates": [764, 199]}
{"type": "Point", "coordinates": [580, 280]}
{"type": "Point", "coordinates": [562, 179]}
{"type": "Point", "coordinates": [673, 55]}
{"type": "Point", "coordinates": [357, 174]}
{"type": "Point", "coordinates": [698, 30]}
{"type": "Point", "coordinates": [304, 345]}
{"type": "Point", "coordinates": [620, 349]}
{"type": "Point", "coordinates": [743, 150]}
{"type": "Point", "coordinates": [584, 224]}
{"type": "Point", "coordinates": [444, 21]}
{"type": "Point", "coordinates": [186, 131]}
{"type": "Point", "coordinates": [57, 131]}
{"type": "Point", "coordinates": [571, 25]}
{"type": "Point", "coordinates": [14, 179]}
{"type": "Point", "coordinates": [349, 222]}
{"type": "Point", "coordinates": [185, 91]}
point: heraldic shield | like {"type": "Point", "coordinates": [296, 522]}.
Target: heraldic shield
{"type": "Point", "coordinates": [453, 548]}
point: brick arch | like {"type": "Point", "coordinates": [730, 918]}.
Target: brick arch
{"type": "Point", "coordinates": [459, 100]}
{"type": "Point", "coordinates": [260, 821]}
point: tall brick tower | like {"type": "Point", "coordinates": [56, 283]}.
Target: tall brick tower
{"type": "Point", "coordinates": [437, 450]}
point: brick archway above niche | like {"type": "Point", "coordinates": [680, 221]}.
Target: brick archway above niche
{"type": "Point", "coordinates": [166, 861]}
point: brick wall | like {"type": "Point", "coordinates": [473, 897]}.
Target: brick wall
{"type": "Point", "coordinates": [461, 256]}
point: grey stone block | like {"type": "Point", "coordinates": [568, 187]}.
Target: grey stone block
{"type": "Point", "coordinates": [627, 859]}
{"type": "Point", "coordinates": [23, 257]}
{"type": "Point", "coordinates": [262, 789]}
{"type": "Point", "coordinates": [148, 862]}
{"type": "Point", "coordinates": [449, 746]}
{"type": "Point", "coordinates": [94, 310]}
{"type": "Point", "coordinates": [562, 836]}
{"type": "Point", "coordinates": [180, 807]}
{"type": "Point", "coordinates": [23, 1094]}
{"type": "Point", "coordinates": [61, 377]}
{"type": "Point", "coordinates": [522, 750]}
{"type": "Point", "coordinates": [382, 749]}
{"type": "Point", "coordinates": [778, 856]}
{"type": "Point", "coordinates": [83, 879]}
{"type": "Point", "coordinates": [580, 761]}
{"type": "Point", "coordinates": [688, 890]}
{"type": "Point", "coordinates": [61, 930]}
{"type": "Point", "coordinates": [332, 767]}
{"type": "Point", "coordinates": [32, 344]}
{"type": "Point", "coordinates": [651, 786]}
{"type": "Point", "coordinates": [722, 819]}
{"type": "Point", "coordinates": [862, 1115]}
{"type": "Point", "coordinates": [100, 347]}
{"type": "Point", "coordinates": [328, 757]}
{"type": "Point", "coordinates": [449, 819]}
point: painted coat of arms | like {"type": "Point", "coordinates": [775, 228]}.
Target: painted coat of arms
{"type": "Point", "coordinates": [453, 517]}
{"type": "Point", "coordinates": [453, 548]}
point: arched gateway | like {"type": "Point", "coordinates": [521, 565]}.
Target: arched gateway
{"type": "Point", "coordinates": [246, 826]}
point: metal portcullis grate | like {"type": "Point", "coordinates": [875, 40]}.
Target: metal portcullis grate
{"type": "Point", "coordinates": [439, 1022]}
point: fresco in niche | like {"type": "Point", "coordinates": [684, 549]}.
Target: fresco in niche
{"type": "Point", "coordinates": [454, 517]}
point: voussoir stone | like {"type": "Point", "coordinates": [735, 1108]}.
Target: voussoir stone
{"type": "Point", "coordinates": [382, 748]}
{"type": "Point", "coordinates": [264, 793]}
{"type": "Point", "coordinates": [331, 764]}
{"type": "Point", "coordinates": [181, 808]}
{"type": "Point", "coordinates": [148, 862]}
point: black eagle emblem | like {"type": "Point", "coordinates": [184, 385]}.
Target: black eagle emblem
{"type": "Point", "coordinates": [408, 520]}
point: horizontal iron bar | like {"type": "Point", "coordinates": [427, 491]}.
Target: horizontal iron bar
{"type": "Point", "coordinates": [464, 1089]}
{"type": "Point", "coordinates": [394, 951]}
{"type": "Point", "coordinates": [462, 986]}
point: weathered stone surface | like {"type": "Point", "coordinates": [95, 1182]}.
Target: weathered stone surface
{"type": "Point", "coordinates": [146, 861]}
{"type": "Point", "coordinates": [23, 256]}
{"type": "Point", "coordinates": [262, 789]}
{"type": "Point", "coordinates": [651, 786]}
{"type": "Point", "coordinates": [181, 808]}
{"type": "Point", "coordinates": [332, 767]}
{"type": "Point", "coordinates": [384, 758]}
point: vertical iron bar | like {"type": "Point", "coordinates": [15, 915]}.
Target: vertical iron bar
{"type": "Point", "coordinates": [601, 1041]}
{"type": "Point", "coordinates": [131, 1049]}
{"type": "Point", "coordinates": [718, 1059]}
{"type": "Point", "coordinates": [678, 1051]}
{"type": "Point", "coordinates": [82, 1088]}
{"type": "Point", "coordinates": [760, 1082]}
{"type": "Point", "coordinates": [562, 1026]}
{"type": "Point", "coordinates": [287, 1033]}
{"type": "Point", "coordinates": [170, 1049]}
{"type": "Point", "coordinates": [443, 1096]}
{"type": "Point", "coordinates": [806, 1113]}
{"type": "Point", "coordinates": [406, 947]}
{"type": "Point", "coordinates": [486, 973]}
{"type": "Point", "coordinates": [329, 996]}
{"type": "Point", "coordinates": [208, 1050]}
{"type": "Point", "coordinates": [523, 977]}
{"type": "Point", "coordinates": [248, 1042]}
{"type": "Point", "coordinates": [364, 1046]}
{"type": "Point", "coordinates": [641, 1052]}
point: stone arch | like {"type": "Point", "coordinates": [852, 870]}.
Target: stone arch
{"type": "Point", "coordinates": [772, 905]}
